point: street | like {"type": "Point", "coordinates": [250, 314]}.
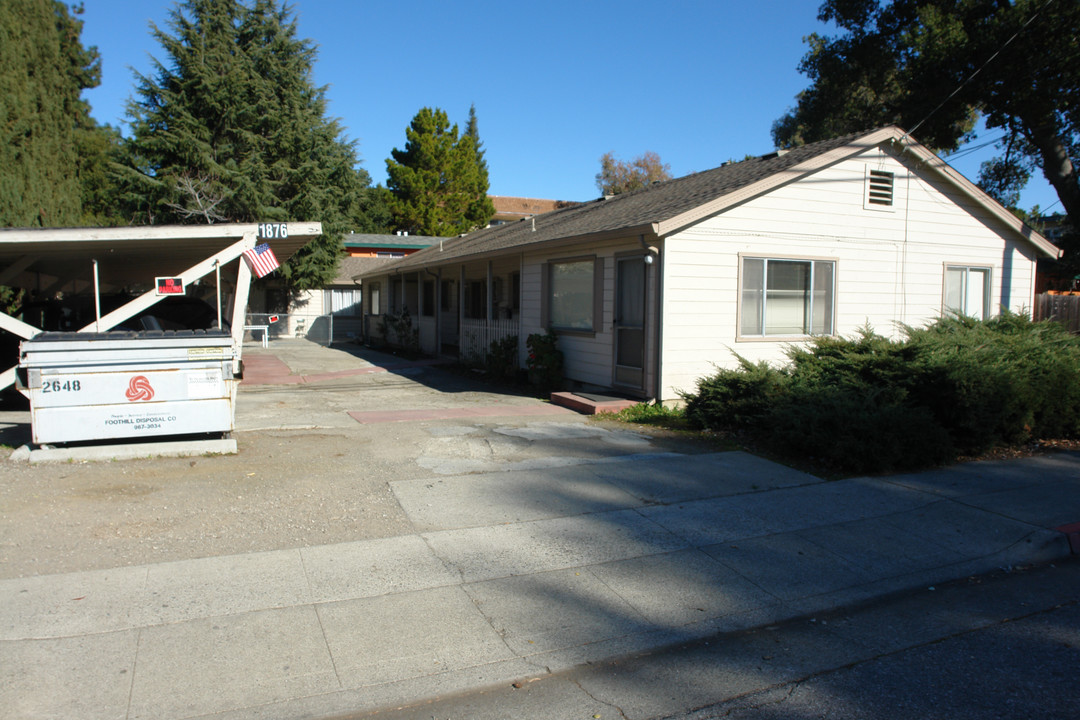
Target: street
{"type": "Point", "coordinates": [1006, 645]}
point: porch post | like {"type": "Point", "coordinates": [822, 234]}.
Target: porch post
{"type": "Point", "coordinates": [490, 309]}
{"type": "Point", "coordinates": [436, 303]}
{"type": "Point", "coordinates": [461, 309]}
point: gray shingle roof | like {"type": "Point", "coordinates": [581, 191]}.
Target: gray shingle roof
{"type": "Point", "coordinates": [350, 267]}
{"type": "Point", "coordinates": [635, 212]}
{"type": "Point", "coordinates": [664, 208]}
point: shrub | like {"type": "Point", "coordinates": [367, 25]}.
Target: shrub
{"type": "Point", "coordinates": [868, 404]}
{"type": "Point", "coordinates": [855, 432]}
{"type": "Point", "coordinates": [735, 399]}
{"type": "Point", "coordinates": [502, 357]}
{"type": "Point", "coordinates": [999, 381]}
{"type": "Point", "coordinates": [545, 363]}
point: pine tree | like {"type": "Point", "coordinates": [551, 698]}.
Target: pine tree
{"type": "Point", "coordinates": [480, 208]}
{"type": "Point", "coordinates": [439, 181]}
{"type": "Point", "coordinates": [43, 71]}
{"type": "Point", "coordinates": [232, 129]}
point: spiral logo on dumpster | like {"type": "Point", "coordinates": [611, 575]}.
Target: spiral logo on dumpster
{"type": "Point", "coordinates": [139, 389]}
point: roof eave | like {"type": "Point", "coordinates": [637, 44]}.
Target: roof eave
{"type": "Point", "coordinates": [413, 262]}
{"type": "Point", "coordinates": [979, 196]}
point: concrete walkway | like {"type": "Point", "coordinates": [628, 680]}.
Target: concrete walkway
{"type": "Point", "coordinates": [512, 575]}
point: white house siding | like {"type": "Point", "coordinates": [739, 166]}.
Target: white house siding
{"type": "Point", "coordinates": [890, 264]}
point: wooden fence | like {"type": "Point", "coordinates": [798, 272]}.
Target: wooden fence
{"type": "Point", "coordinates": [1063, 308]}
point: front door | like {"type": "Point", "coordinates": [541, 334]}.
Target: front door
{"type": "Point", "coordinates": [630, 322]}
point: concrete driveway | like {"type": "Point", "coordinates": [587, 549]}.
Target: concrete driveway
{"type": "Point", "coordinates": [391, 532]}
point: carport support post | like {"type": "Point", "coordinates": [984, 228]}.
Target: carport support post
{"type": "Point", "coordinates": [240, 299]}
{"type": "Point", "coordinates": [97, 299]}
{"type": "Point", "coordinates": [217, 289]}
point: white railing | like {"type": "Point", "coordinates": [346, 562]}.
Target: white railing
{"type": "Point", "coordinates": [322, 329]}
{"type": "Point", "coordinates": [477, 336]}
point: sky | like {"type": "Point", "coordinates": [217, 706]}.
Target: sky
{"type": "Point", "coordinates": [556, 84]}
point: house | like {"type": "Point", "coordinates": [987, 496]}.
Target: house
{"type": "Point", "coordinates": [649, 291]}
{"type": "Point", "coordinates": [307, 314]}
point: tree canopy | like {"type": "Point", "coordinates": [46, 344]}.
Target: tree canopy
{"type": "Point", "coordinates": [935, 66]}
{"type": "Point", "coordinates": [439, 181]}
{"type": "Point", "coordinates": [43, 120]}
{"type": "Point", "coordinates": [619, 176]}
{"type": "Point", "coordinates": [230, 128]}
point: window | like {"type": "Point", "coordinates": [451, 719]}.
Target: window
{"type": "Point", "coordinates": [342, 302]}
{"type": "Point", "coordinates": [428, 309]}
{"type": "Point", "coordinates": [376, 300]}
{"type": "Point", "coordinates": [572, 295]}
{"type": "Point", "coordinates": [393, 300]}
{"type": "Point", "coordinates": [967, 291]}
{"type": "Point", "coordinates": [515, 291]}
{"type": "Point", "coordinates": [476, 299]}
{"type": "Point", "coordinates": [389, 254]}
{"type": "Point", "coordinates": [782, 297]}
{"type": "Point", "coordinates": [446, 296]}
{"type": "Point", "coordinates": [879, 190]}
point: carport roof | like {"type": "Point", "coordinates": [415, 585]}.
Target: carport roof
{"type": "Point", "coordinates": [127, 255]}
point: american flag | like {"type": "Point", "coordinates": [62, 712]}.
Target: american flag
{"type": "Point", "coordinates": [262, 260]}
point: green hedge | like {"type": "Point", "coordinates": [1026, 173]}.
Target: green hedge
{"type": "Point", "coordinates": [870, 404]}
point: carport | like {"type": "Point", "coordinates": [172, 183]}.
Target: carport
{"type": "Point", "coordinates": [79, 266]}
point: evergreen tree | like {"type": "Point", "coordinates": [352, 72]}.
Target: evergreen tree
{"type": "Point", "coordinates": [232, 129]}
{"type": "Point", "coordinates": [481, 209]}
{"type": "Point", "coordinates": [439, 181]}
{"type": "Point", "coordinates": [43, 71]}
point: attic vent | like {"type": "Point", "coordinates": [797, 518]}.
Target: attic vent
{"type": "Point", "coordinates": [879, 188]}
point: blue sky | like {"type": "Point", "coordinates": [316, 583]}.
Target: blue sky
{"type": "Point", "coordinates": [555, 85]}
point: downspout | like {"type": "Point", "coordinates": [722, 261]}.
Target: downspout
{"type": "Point", "coordinates": [653, 262]}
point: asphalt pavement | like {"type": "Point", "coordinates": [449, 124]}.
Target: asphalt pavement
{"type": "Point", "coordinates": [510, 572]}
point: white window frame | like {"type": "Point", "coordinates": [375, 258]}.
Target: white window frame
{"type": "Point", "coordinates": [988, 284]}
{"type": "Point", "coordinates": [343, 302]}
{"type": "Point", "coordinates": [764, 335]}
{"type": "Point", "coordinates": [375, 298]}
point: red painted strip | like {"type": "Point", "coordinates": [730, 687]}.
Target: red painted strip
{"type": "Point", "coordinates": [388, 416]}
{"type": "Point", "coordinates": [1072, 534]}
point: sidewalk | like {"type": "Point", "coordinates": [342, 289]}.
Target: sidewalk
{"type": "Point", "coordinates": [512, 575]}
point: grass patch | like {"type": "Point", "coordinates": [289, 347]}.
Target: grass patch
{"type": "Point", "coordinates": [649, 414]}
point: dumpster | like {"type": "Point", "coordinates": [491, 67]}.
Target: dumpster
{"type": "Point", "coordinates": [105, 386]}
